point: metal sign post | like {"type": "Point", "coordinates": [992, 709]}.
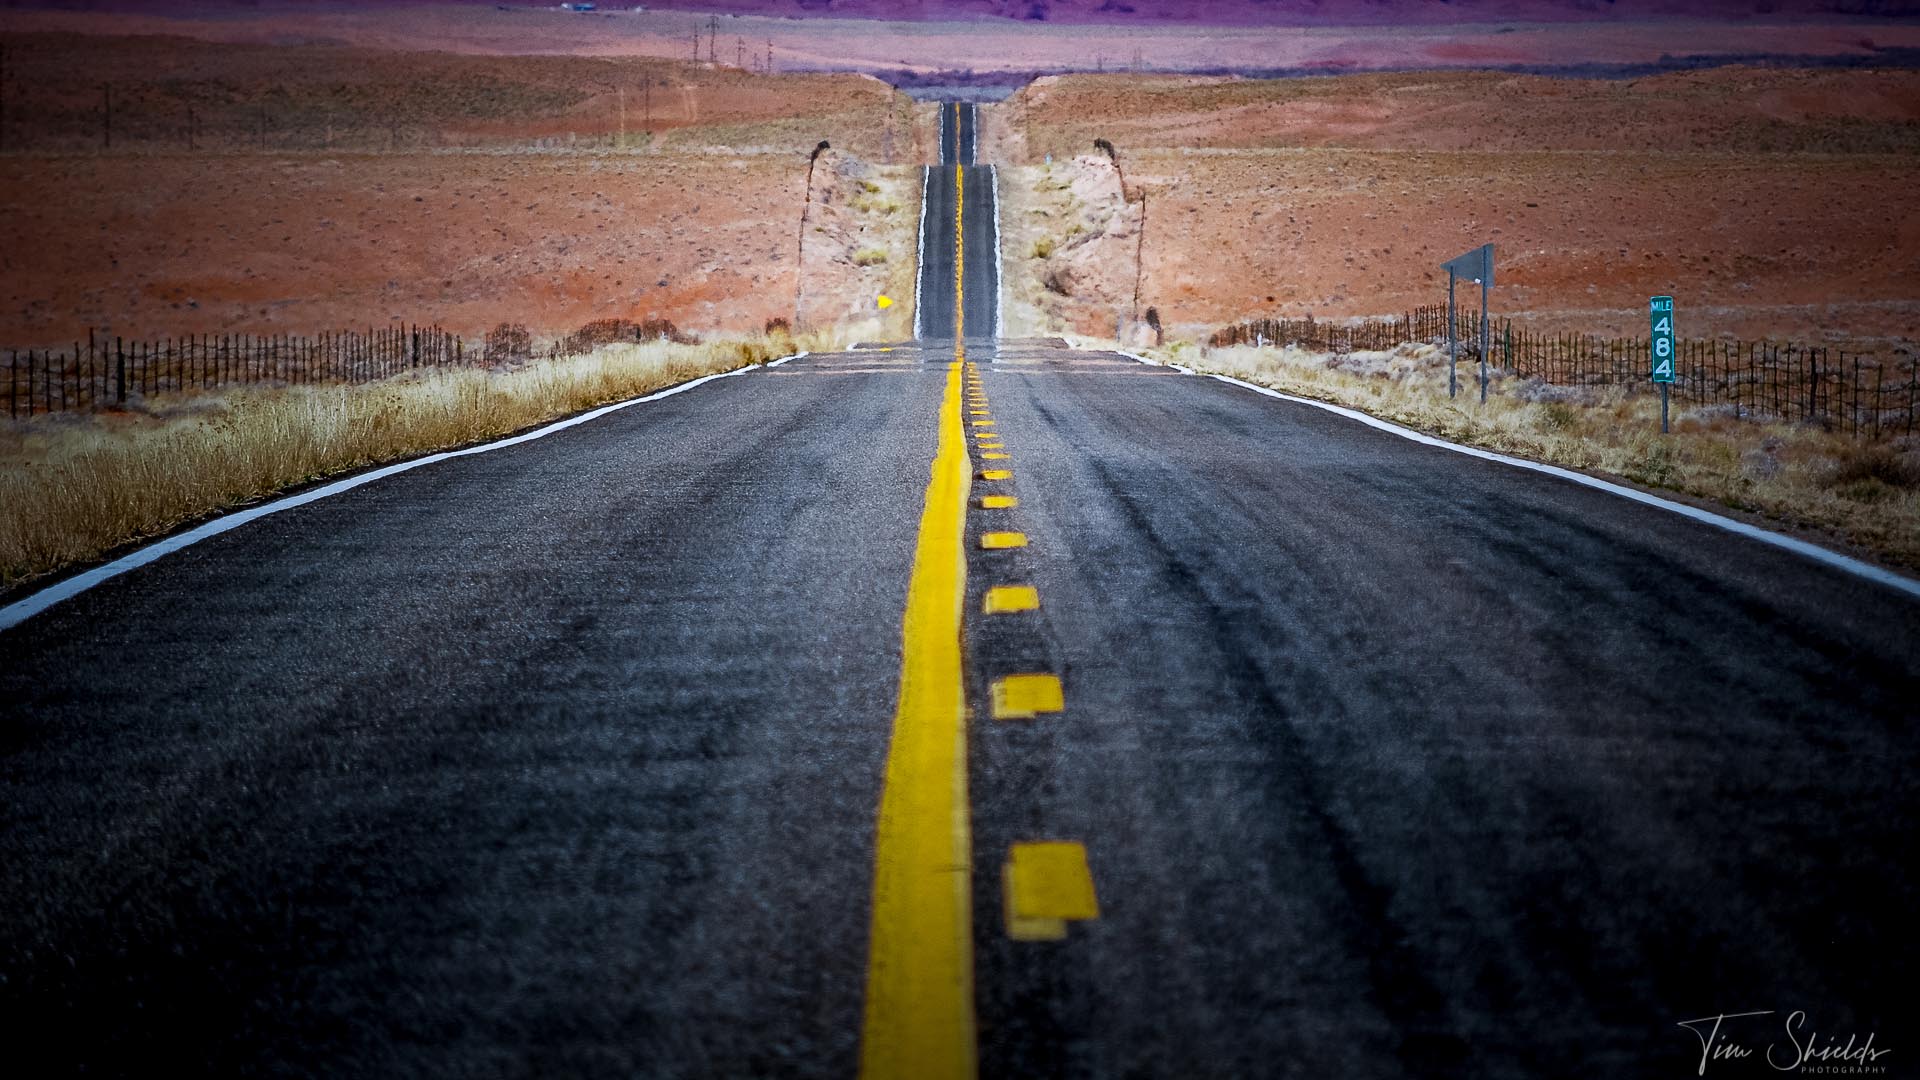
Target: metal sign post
{"type": "Point", "coordinates": [1486, 340]}
{"type": "Point", "coordinates": [1476, 266]}
{"type": "Point", "coordinates": [1453, 360]}
{"type": "Point", "coordinates": [1660, 310]}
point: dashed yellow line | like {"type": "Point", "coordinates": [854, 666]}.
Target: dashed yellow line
{"type": "Point", "coordinates": [1006, 599]}
{"type": "Point", "coordinates": [1001, 541]}
{"type": "Point", "coordinates": [998, 502]}
{"type": "Point", "coordinates": [1045, 885]}
{"type": "Point", "coordinates": [996, 474]}
{"type": "Point", "coordinates": [1023, 697]}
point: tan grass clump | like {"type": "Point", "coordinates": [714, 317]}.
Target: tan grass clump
{"type": "Point", "coordinates": [1797, 474]}
{"type": "Point", "coordinates": [75, 487]}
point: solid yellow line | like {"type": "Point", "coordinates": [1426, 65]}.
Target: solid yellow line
{"type": "Point", "coordinates": [919, 1008]}
{"type": "Point", "coordinates": [959, 250]}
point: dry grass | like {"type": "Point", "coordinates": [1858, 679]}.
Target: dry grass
{"type": "Point", "coordinates": [1865, 495]}
{"type": "Point", "coordinates": [74, 487]}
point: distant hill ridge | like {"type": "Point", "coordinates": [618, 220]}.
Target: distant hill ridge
{"type": "Point", "coordinates": [1159, 12]}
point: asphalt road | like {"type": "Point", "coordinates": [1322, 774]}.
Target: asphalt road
{"type": "Point", "coordinates": [560, 760]}
{"type": "Point", "coordinates": [958, 123]}
{"type": "Point", "coordinates": [1394, 762]}
{"type": "Point", "coordinates": [564, 759]}
{"type": "Point", "coordinates": [957, 177]}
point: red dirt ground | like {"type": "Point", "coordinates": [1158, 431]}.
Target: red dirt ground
{"type": "Point", "coordinates": [1770, 203]}
{"type": "Point", "coordinates": [463, 190]}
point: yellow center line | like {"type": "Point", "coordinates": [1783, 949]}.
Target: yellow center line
{"type": "Point", "coordinates": [919, 1009]}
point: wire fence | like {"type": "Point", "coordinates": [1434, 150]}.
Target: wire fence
{"type": "Point", "coordinates": [1866, 393]}
{"type": "Point", "coordinates": [103, 373]}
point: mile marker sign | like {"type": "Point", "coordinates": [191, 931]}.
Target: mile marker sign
{"type": "Point", "coordinates": [1661, 309]}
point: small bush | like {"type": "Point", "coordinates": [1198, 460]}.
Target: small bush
{"type": "Point", "coordinates": [1043, 248]}
{"type": "Point", "coordinates": [869, 257]}
{"type": "Point", "coordinates": [610, 331]}
{"type": "Point", "coordinates": [508, 343]}
{"type": "Point", "coordinates": [1655, 467]}
{"type": "Point", "coordinates": [1882, 465]}
{"type": "Point", "coordinates": [1558, 416]}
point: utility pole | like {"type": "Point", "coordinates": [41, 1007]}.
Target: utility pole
{"type": "Point", "coordinates": [646, 92]}
{"type": "Point", "coordinates": [713, 39]}
{"type": "Point", "coordinates": [190, 126]}
{"type": "Point", "coordinates": [696, 44]}
{"type": "Point", "coordinates": [623, 118]}
{"type": "Point", "coordinates": [3, 98]}
{"type": "Point", "coordinates": [106, 111]}
{"type": "Point", "coordinates": [740, 53]}
{"type": "Point", "coordinates": [769, 56]}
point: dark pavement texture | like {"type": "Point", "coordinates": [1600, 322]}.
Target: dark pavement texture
{"type": "Point", "coordinates": [1396, 762]}
{"type": "Point", "coordinates": [560, 760]}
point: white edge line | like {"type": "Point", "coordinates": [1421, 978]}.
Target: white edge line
{"type": "Point", "coordinates": [920, 261]}
{"type": "Point", "coordinates": [1834, 559]}
{"type": "Point", "coordinates": [27, 607]}
{"type": "Point", "coordinates": [999, 265]}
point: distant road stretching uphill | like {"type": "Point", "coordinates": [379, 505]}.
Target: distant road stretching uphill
{"type": "Point", "coordinates": [1212, 736]}
{"type": "Point", "coordinates": [934, 319]}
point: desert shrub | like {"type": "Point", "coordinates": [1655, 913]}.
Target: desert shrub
{"type": "Point", "coordinates": [1655, 466]}
{"type": "Point", "coordinates": [611, 331]}
{"type": "Point", "coordinates": [1558, 416]}
{"type": "Point", "coordinates": [508, 343]}
{"type": "Point", "coordinates": [869, 257]}
{"type": "Point", "coordinates": [1869, 466]}
{"type": "Point", "coordinates": [780, 326]}
{"type": "Point", "coordinates": [1043, 248]}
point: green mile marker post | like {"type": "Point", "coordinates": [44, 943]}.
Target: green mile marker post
{"type": "Point", "coordinates": [1660, 309]}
